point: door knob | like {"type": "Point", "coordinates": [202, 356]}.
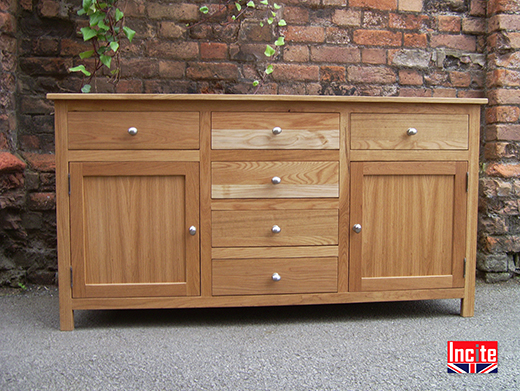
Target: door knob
{"type": "Point", "coordinates": [132, 131]}
{"type": "Point", "coordinates": [193, 230]}
{"type": "Point", "coordinates": [277, 130]}
{"type": "Point", "coordinates": [276, 277]}
{"type": "Point", "coordinates": [357, 228]}
{"type": "Point", "coordinates": [276, 180]}
{"type": "Point", "coordinates": [411, 132]}
{"type": "Point", "coordinates": [276, 229]}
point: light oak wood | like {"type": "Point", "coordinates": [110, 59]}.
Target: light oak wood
{"type": "Point", "coordinates": [274, 252]}
{"type": "Point", "coordinates": [254, 277]}
{"type": "Point", "coordinates": [254, 228]}
{"type": "Point", "coordinates": [389, 131]}
{"type": "Point", "coordinates": [254, 179]}
{"type": "Point", "coordinates": [155, 130]}
{"type": "Point", "coordinates": [239, 130]}
{"type": "Point", "coordinates": [274, 204]}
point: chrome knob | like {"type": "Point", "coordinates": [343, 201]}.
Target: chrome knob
{"type": "Point", "coordinates": [276, 229]}
{"type": "Point", "coordinates": [357, 228]}
{"type": "Point", "coordinates": [193, 230]}
{"type": "Point", "coordinates": [411, 132]}
{"type": "Point", "coordinates": [277, 130]}
{"type": "Point", "coordinates": [276, 180]}
{"type": "Point", "coordinates": [132, 131]}
{"type": "Point", "coordinates": [276, 277]}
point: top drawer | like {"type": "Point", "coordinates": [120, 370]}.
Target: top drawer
{"type": "Point", "coordinates": [409, 131]}
{"type": "Point", "coordinates": [239, 130]}
{"type": "Point", "coordinates": [155, 130]}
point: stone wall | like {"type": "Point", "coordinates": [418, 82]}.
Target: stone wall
{"type": "Point", "coordinates": [434, 48]}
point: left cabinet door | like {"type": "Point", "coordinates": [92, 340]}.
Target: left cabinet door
{"type": "Point", "coordinates": [130, 229]}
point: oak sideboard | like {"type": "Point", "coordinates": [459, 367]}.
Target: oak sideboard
{"type": "Point", "coordinates": [176, 201]}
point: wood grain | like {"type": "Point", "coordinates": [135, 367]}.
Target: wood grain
{"type": "Point", "coordinates": [242, 130]}
{"type": "Point", "coordinates": [156, 130]}
{"type": "Point", "coordinates": [253, 179]}
{"type": "Point", "coordinates": [254, 277]}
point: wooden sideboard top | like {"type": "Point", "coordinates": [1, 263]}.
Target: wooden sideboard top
{"type": "Point", "coordinates": [271, 98]}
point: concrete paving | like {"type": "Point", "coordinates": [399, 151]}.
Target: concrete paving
{"type": "Point", "coordinates": [379, 346]}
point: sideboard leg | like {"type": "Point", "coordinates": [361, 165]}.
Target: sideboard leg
{"type": "Point", "coordinates": [66, 320]}
{"type": "Point", "coordinates": [467, 307]}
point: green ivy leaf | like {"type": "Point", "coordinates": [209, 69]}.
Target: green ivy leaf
{"type": "Point", "coordinates": [269, 69]}
{"type": "Point", "coordinates": [80, 68]}
{"type": "Point", "coordinates": [129, 33]}
{"type": "Point", "coordinates": [204, 9]}
{"type": "Point", "coordinates": [86, 88]}
{"type": "Point", "coordinates": [251, 4]}
{"type": "Point", "coordinates": [256, 83]}
{"type": "Point", "coordinates": [265, 2]}
{"type": "Point", "coordinates": [261, 24]}
{"type": "Point", "coordinates": [280, 41]}
{"type": "Point", "coordinates": [87, 54]}
{"type": "Point", "coordinates": [96, 18]}
{"type": "Point", "coordinates": [276, 6]}
{"type": "Point", "coordinates": [269, 51]}
{"type": "Point", "coordinates": [114, 46]}
{"type": "Point", "coordinates": [270, 20]}
{"type": "Point", "coordinates": [239, 7]}
{"type": "Point", "coordinates": [106, 60]}
{"type": "Point", "coordinates": [119, 15]}
{"type": "Point", "coordinates": [282, 23]}
{"type": "Point", "coordinates": [88, 33]}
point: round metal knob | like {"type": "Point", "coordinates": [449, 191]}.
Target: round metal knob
{"type": "Point", "coordinates": [277, 130]}
{"type": "Point", "coordinates": [411, 132]}
{"type": "Point", "coordinates": [276, 277]}
{"type": "Point", "coordinates": [132, 131]}
{"type": "Point", "coordinates": [276, 180]}
{"type": "Point", "coordinates": [193, 230]}
{"type": "Point", "coordinates": [357, 228]}
{"type": "Point", "coordinates": [276, 229]}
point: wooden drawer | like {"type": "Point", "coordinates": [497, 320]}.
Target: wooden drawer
{"type": "Point", "coordinates": [244, 228]}
{"type": "Point", "coordinates": [255, 179]}
{"type": "Point", "coordinates": [155, 130]}
{"type": "Point", "coordinates": [238, 130]}
{"type": "Point", "coordinates": [391, 131]}
{"type": "Point", "coordinates": [255, 276]}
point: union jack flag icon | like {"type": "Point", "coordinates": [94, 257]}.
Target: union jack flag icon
{"type": "Point", "coordinates": [472, 368]}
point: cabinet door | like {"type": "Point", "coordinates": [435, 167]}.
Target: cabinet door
{"type": "Point", "coordinates": [412, 225]}
{"type": "Point", "coordinates": [130, 229]}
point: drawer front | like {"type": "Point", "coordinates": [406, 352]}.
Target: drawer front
{"type": "Point", "coordinates": [409, 131]}
{"type": "Point", "coordinates": [155, 130]}
{"type": "Point", "coordinates": [258, 179]}
{"type": "Point", "coordinates": [255, 276]}
{"type": "Point", "coordinates": [275, 130]}
{"type": "Point", "coordinates": [243, 228]}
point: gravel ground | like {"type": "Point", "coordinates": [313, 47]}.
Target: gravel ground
{"type": "Point", "coordinates": [378, 346]}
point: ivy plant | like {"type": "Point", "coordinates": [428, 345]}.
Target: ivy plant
{"type": "Point", "coordinates": [105, 31]}
{"type": "Point", "coordinates": [239, 10]}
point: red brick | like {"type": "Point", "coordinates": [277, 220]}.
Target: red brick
{"type": "Point", "coordinates": [373, 56]}
{"type": "Point", "coordinates": [4, 144]}
{"type": "Point", "coordinates": [448, 23]}
{"type": "Point", "coordinates": [478, 8]}
{"type": "Point", "coordinates": [504, 22]}
{"type": "Point", "coordinates": [502, 114]}
{"type": "Point", "coordinates": [415, 92]}
{"type": "Point", "coordinates": [375, 19]}
{"type": "Point", "coordinates": [444, 93]}
{"type": "Point", "coordinates": [29, 142]}
{"type": "Point", "coordinates": [212, 71]}
{"type": "Point", "coordinates": [171, 30]}
{"type": "Point", "coordinates": [7, 23]}
{"type": "Point", "coordinates": [415, 40]}
{"type": "Point", "coordinates": [213, 51]}
{"type": "Point", "coordinates": [305, 34]}
{"type": "Point", "coordinates": [409, 21]}
{"type": "Point", "coordinates": [129, 86]}
{"type": "Point", "coordinates": [411, 5]}
{"type": "Point", "coordinates": [437, 78]}
{"type": "Point", "coordinates": [347, 18]}
{"type": "Point", "coordinates": [503, 170]}
{"type": "Point", "coordinates": [374, 4]}
{"type": "Point", "coordinates": [503, 78]}
{"type": "Point", "coordinates": [40, 162]}
{"type": "Point", "coordinates": [296, 15]}
{"type": "Point", "coordinates": [173, 50]}
{"type": "Point", "coordinates": [42, 201]}
{"type": "Point", "coordinates": [410, 77]}
{"type": "Point", "coordinates": [377, 38]}
{"type": "Point", "coordinates": [182, 12]}
{"type": "Point", "coordinates": [290, 72]}
{"type": "Point", "coordinates": [171, 69]}
{"type": "Point", "coordinates": [332, 74]}
{"type": "Point", "coordinates": [496, 151]}
{"type": "Point", "coordinates": [506, 60]}
{"type": "Point", "coordinates": [371, 75]}
{"type": "Point", "coordinates": [461, 42]}
{"type": "Point", "coordinates": [9, 163]}
{"type": "Point", "coordinates": [296, 53]}
{"type": "Point", "coordinates": [49, 8]}
{"type": "Point", "coordinates": [140, 67]}
{"type": "Point", "coordinates": [460, 79]}
{"type": "Point", "coordinates": [508, 132]}
{"type": "Point", "coordinates": [337, 35]}
{"type": "Point", "coordinates": [336, 54]}
{"type": "Point", "coordinates": [502, 6]}
{"type": "Point", "coordinates": [474, 25]}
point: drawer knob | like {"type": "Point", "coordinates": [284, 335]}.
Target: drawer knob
{"type": "Point", "coordinates": [276, 180]}
{"type": "Point", "coordinates": [193, 230]}
{"type": "Point", "coordinates": [132, 131]}
{"type": "Point", "coordinates": [357, 228]}
{"type": "Point", "coordinates": [276, 277]}
{"type": "Point", "coordinates": [276, 229]}
{"type": "Point", "coordinates": [411, 132]}
{"type": "Point", "coordinates": [277, 130]}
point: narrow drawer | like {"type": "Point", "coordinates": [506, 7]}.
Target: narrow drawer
{"type": "Point", "coordinates": [260, 276]}
{"type": "Point", "coordinates": [260, 179]}
{"type": "Point", "coordinates": [409, 131]}
{"type": "Point", "coordinates": [238, 130]}
{"type": "Point", "coordinates": [155, 130]}
{"type": "Point", "coordinates": [244, 228]}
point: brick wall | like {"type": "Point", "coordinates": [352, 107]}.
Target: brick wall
{"type": "Point", "coordinates": [437, 48]}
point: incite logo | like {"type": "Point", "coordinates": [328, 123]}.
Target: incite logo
{"type": "Point", "coordinates": [472, 357]}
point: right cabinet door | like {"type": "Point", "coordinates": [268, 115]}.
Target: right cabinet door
{"type": "Point", "coordinates": [408, 225]}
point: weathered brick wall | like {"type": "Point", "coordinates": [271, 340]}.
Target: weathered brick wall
{"type": "Point", "coordinates": [438, 48]}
